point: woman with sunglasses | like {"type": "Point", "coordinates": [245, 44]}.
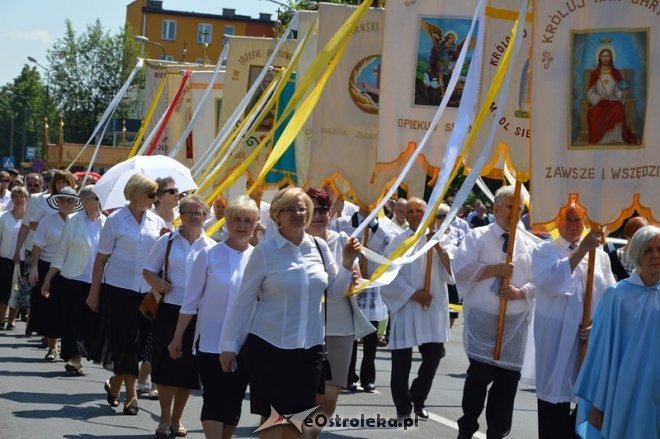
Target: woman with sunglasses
{"type": "Point", "coordinates": [175, 378]}
{"type": "Point", "coordinates": [47, 321]}
{"type": "Point", "coordinates": [279, 309]}
{"type": "Point", "coordinates": [346, 323]}
{"type": "Point", "coordinates": [73, 261]}
{"type": "Point", "coordinates": [125, 242]}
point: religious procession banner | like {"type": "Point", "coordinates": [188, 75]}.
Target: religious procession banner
{"type": "Point", "coordinates": [208, 123]}
{"type": "Point", "coordinates": [420, 50]}
{"type": "Point", "coordinates": [345, 121]}
{"type": "Point", "coordinates": [247, 57]}
{"type": "Point", "coordinates": [514, 131]}
{"type": "Point", "coordinates": [594, 117]}
{"type": "Point", "coordinates": [172, 75]}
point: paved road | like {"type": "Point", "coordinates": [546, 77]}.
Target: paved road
{"type": "Point", "coordinates": [39, 400]}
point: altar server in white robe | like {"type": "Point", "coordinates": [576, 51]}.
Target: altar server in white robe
{"type": "Point", "coordinates": [376, 237]}
{"type": "Point", "coordinates": [419, 317]}
{"type": "Point", "coordinates": [560, 273]}
{"type": "Point", "coordinates": [479, 267]}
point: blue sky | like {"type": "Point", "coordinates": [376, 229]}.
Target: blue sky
{"type": "Point", "coordinates": [30, 27]}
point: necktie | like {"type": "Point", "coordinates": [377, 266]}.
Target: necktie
{"type": "Point", "coordinates": [573, 246]}
{"type": "Point", "coordinates": [505, 245]}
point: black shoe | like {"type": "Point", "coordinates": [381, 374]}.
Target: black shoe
{"type": "Point", "coordinates": [131, 410]}
{"type": "Point", "coordinates": [422, 413]}
{"type": "Point", "coordinates": [352, 387]}
{"type": "Point", "coordinates": [2, 326]}
{"type": "Point", "coordinates": [10, 327]}
{"type": "Point", "coordinates": [401, 417]}
{"type": "Point", "coordinates": [113, 401]}
{"type": "Point", "coordinates": [369, 388]}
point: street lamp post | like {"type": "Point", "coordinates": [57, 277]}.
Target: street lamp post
{"type": "Point", "coordinates": [33, 60]}
{"type": "Point", "coordinates": [143, 39]}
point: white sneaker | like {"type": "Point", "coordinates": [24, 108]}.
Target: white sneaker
{"type": "Point", "coordinates": [153, 393]}
{"type": "Point", "coordinates": [143, 389]}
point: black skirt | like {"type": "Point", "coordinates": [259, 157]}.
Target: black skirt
{"type": "Point", "coordinates": [181, 372]}
{"type": "Point", "coordinates": [6, 277]}
{"type": "Point", "coordinates": [46, 313]}
{"type": "Point", "coordinates": [121, 330]}
{"type": "Point", "coordinates": [223, 391]}
{"type": "Point", "coordinates": [287, 379]}
{"type": "Point", "coordinates": [78, 321]}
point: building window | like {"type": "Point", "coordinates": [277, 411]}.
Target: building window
{"type": "Point", "coordinates": [204, 33]}
{"type": "Point", "coordinates": [169, 30]}
{"type": "Point", "coordinates": [167, 57]}
{"type": "Point", "coordinates": [229, 30]}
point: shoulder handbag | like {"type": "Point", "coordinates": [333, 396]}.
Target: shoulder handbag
{"type": "Point", "coordinates": [151, 302]}
{"type": "Point", "coordinates": [326, 373]}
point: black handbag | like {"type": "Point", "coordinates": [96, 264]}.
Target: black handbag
{"type": "Point", "coordinates": [326, 372]}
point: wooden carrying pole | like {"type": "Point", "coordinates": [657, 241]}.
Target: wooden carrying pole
{"type": "Point", "coordinates": [588, 289]}
{"type": "Point", "coordinates": [515, 217]}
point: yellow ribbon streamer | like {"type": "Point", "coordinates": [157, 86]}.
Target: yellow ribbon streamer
{"type": "Point", "coordinates": [325, 63]}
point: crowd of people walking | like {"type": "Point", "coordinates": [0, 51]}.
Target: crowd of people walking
{"type": "Point", "coordinates": [263, 303]}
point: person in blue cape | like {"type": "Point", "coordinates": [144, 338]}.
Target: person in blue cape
{"type": "Point", "coordinates": [618, 384]}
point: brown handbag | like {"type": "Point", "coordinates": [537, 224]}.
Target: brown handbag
{"type": "Point", "coordinates": [151, 302]}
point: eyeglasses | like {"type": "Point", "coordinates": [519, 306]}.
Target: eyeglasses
{"type": "Point", "coordinates": [193, 213]}
{"type": "Point", "coordinates": [321, 210]}
{"type": "Point", "coordinates": [171, 191]}
{"type": "Point", "coordinates": [152, 195]}
{"type": "Point", "coordinates": [297, 210]}
{"type": "Point", "coordinates": [66, 200]}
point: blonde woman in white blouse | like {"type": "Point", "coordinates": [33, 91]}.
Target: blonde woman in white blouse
{"type": "Point", "coordinates": [126, 239]}
{"type": "Point", "coordinates": [279, 309]}
{"type": "Point", "coordinates": [213, 283]}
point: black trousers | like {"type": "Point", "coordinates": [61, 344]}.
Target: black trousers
{"type": "Point", "coordinates": [499, 409]}
{"type": "Point", "coordinates": [368, 366]}
{"type": "Point", "coordinates": [555, 420]}
{"type": "Point", "coordinates": [405, 398]}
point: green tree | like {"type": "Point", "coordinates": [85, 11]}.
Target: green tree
{"type": "Point", "coordinates": [23, 106]}
{"type": "Point", "coordinates": [86, 71]}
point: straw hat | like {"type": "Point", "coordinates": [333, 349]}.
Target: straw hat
{"type": "Point", "coordinates": [66, 192]}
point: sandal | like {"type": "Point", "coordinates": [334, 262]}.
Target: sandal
{"type": "Point", "coordinates": [131, 410]}
{"type": "Point", "coordinates": [178, 430]}
{"type": "Point", "coordinates": [163, 431]}
{"type": "Point", "coordinates": [51, 355]}
{"type": "Point", "coordinates": [112, 400]}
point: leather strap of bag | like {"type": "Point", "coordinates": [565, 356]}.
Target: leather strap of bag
{"type": "Point", "coordinates": [166, 262]}
{"type": "Point", "coordinates": [325, 296]}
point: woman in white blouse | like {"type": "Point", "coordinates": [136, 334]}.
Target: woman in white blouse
{"type": "Point", "coordinates": [279, 308]}
{"type": "Point", "coordinates": [213, 283]}
{"type": "Point", "coordinates": [345, 323]}
{"type": "Point", "coordinates": [45, 311]}
{"type": "Point", "coordinates": [73, 261]}
{"type": "Point", "coordinates": [174, 378]}
{"type": "Point", "coordinates": [126, 239]}
{"type": "Point", "coordinates": [10, 223]}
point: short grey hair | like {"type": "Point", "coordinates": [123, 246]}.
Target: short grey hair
{"type": "Point", "coordinates": [241, 204]}
{"type": "Point", "coordinates": [87, 192]}
{"type": "Point", "coordinates": [443, 209]}
{"type": "Point", "coordinates": [640, 242]}
{"type": "Point", "coordinates": [193, 200]}
{"type": "Point", "coordinates": [504, 193]}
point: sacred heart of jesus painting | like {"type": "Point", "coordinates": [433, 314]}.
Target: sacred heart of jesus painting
{"type": "Point", "coordinates": [609, 88]}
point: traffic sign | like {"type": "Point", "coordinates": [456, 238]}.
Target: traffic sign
{"type": "Point", "coordinates": [8, 162]}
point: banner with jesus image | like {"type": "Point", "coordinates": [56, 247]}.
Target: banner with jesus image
{"type": "Point", "coordinates": [594, 119]}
